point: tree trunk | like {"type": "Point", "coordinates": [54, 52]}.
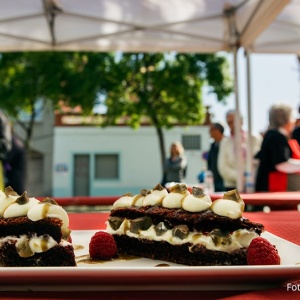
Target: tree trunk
{"type": "Point", "coordinates": [161, 142]}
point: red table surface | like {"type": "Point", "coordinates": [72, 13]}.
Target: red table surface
{"type": "Point", "coordinates": [284, 224]}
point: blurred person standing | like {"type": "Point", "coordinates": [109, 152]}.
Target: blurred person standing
{"type": "Point", "coordinates": [175, 165]}
{"type": "Point", "coordinates": [296, 130]}
{"type": "Point", "coordinates": [279, 157]}
{"type": "Point", "coordinates": [217, 133]}
{"type": "Point", "coordinates": [5, 144]}
{"type": "Point", "coordinates": [15, 166]}
{"type": "Point", "coordinates": [228, 152]}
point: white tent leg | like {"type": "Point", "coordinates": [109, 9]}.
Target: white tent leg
{"type": "Point", "coordinates": [237, 124]}
{"type": "Point", "coordinates": [250, 154]}
{"type": "Point", "coordinates": [249, 104]}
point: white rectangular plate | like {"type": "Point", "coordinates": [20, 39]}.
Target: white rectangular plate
{"type": "Point", "coordinates": [147, 274]}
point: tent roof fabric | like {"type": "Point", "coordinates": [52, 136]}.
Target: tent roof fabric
{"type": "Point", "coordinates": [137, 26]}
{"type": "Point", "coordinates": [283, 34]}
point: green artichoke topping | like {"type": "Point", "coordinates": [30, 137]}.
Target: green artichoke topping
{"type": "Point", "coordinates": [49, 200]}
{"type": "Point", "coordinates": [197, 192]}
{"type": "Point", "coordinates": [180, 231]}
{"type": "Point", "coordinates": [115, 222]}
{"type": "Point", "coordinates": [9, 191]}
{"type": "Point", "coordinates": [23, 199]}
{"type": "Point", "coordinates": [145, 192]}
{"type": "Point", "coordinates": [220, 237]}
{"type": "Point", "coordinates": [233, 195]}
{"type": "Point", "coordinates": [179, 188]}
{"type": "Point", "coordinates": [142, 223]}
{"type": "Point", "coordinates": [127, 194]}
{"type": "Point", "coordinates": [160, 228]}
{"type": "Point", "coordinates": [158, 187]}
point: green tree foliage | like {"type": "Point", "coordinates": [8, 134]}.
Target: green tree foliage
{"type": "Point", "coordinates": [165, 88]}
{"type": "Point", "coordinates": [85, 78]}
{"type": "Point", "coordinates": [26, 77]}
{"type": "Point", "coordinates": [29, 77]}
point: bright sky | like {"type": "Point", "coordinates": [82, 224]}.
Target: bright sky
{"type": "Point", "coordinates": [274, 79]}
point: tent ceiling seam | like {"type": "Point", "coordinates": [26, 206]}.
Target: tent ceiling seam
{"type": "Point", "coordinates": [286, 24]}
{"type": "Point", "coordinates": [286, 42]}
{"type": "Point", "coordinates": [21, 18]}
{"type": "Point", "coordinates": [23, 38]}
{"type": "Point", "coordinates": [97, 19]}
{"type": "Point", "coordinates": [141, 29]}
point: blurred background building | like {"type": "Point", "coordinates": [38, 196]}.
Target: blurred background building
{"type": "Point", "coordinates": [74, 156]}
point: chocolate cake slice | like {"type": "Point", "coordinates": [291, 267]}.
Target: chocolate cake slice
{"type": "Point", "coordinates": [181, 227]}
{"type": "Point", "coordinates": [33, 232]}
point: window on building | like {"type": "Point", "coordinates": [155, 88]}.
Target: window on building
{"type": "Point", "coordinates": [191, 141]}
{"type": "Point", "coordinates": [107, 166]}
{"type": "Point", "coordinates": [81, 183]}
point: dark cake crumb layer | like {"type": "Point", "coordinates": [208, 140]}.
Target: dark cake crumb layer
{"type": "Point", "coordinates": [22, 225]}
{"type": "Point", "coordinates": [199, 221]}
{"type": "Point", "coordinates": [58, 256]}
{"type": "Point", "coordinates": [178, 253]}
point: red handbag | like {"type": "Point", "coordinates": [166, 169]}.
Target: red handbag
{"type": "Point", "coordinates": [278, 181]}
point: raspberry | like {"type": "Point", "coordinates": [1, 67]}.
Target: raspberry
{"type": "Point", "coordinates": [69, 239]}
{"type": "Point", "coordinates": [102, 246]}
{"type": "Point", "coordinates": [262, 252]}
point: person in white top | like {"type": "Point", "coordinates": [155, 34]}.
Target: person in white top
{"type": "Point", "coordinates": [228, 152]}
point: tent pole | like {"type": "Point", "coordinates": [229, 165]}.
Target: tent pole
{"type": "Point", "coordinates": [249, 94]}
{"type": "Point", "coordinates": [237, 125]}
{"type": "Point", "coordinates": [249, 109]}
{"type": "Point", "coordinates": [250, 172]}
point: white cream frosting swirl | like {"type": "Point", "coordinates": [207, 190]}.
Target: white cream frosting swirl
{"type": "Point", "coordinates": [19, 210]}
{"type": "Point", "coordinates": [228, 208]}
{"type": "Point", "coordinates": [155, 197]}
{"type": "Point", "coordinates": [137, 200]}
{"type": "Point", "coordinates": [40, 244]}
{"type": "Point", "coordinates": [173, 200]}
{"type": "Point", "coordinates": [231, 205]}
{"type": "Point", "coordinates": [175, 197]}
{"type": "Point", "coordinates": [5, 201]}
{"type": "Point", "coordinates": [196, 204]}
{"type": "Point", "coordinates": [124, 201]}
{"type": "Point", "coordinates": [13, 205]}
{"type": "Point", "coordinates": [48, 210]}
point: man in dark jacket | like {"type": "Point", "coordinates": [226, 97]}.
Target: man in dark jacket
{"type": "Point", "coordinates": [15, 166]}
{"type": "Point", "coordinates": [217, 133]}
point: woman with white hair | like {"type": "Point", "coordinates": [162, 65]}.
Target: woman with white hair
{"type": "Point", "coordinates": [279, 157]}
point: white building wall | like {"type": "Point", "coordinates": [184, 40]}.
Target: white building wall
{"type": "Point", "coordinates": [42, 142]}
{"type": "Point", "coordinates": [138, 151]}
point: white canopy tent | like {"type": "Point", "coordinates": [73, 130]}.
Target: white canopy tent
{"type": "Point", "coordinates": [283, 34]}
{"type": "Point", "coordinates": [206, 26]}
{"type": "Point", "coordinates": [134, 25]}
